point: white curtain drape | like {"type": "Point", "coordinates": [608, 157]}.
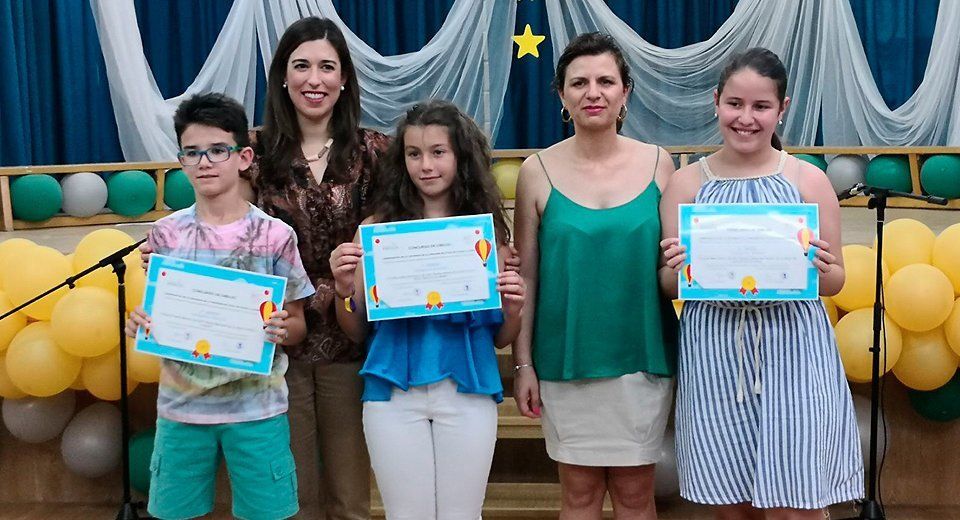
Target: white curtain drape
{"type": "Point", "coordinates": [828, 73]}
{"type": "Point", "coordinates": [466, 62]}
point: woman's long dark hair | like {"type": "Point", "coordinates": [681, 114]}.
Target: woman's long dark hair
{"type": "Point", "coordinates": [474, 190]}
{"type": "Point", "coordinates": [281, 133]}
{"type": "Point", "coordinates": [765, 63]}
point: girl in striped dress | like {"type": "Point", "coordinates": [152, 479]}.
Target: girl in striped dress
{"type": "Point", "coordinates": [764, 419]}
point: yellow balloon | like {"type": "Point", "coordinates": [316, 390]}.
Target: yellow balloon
{"type": "Point", "coordinates": [142, 367]}
{"type": "Point", "coordinates": [926, 362]}
{"type": "Point", "coordinates": [951, 327]}
{"type": "Point", "coordinates": [946, 255]}
{"type": "Point", "coordinates": [859, 288]}
{"type": "Point", "coordinates": [78, 383]}
{"type": "Point", "coordinates": [831, 308]}
{"type": "Point", "coordinates": [855, 339]}
{"type": "Point", "coordinates": [101, 376]}
{"type": "Point", "coordinates": [36, 365]}
{"type": "Point", "coordinates": [506, 172]}
{"type": "Point", "coordinates": [85, 322]}
{"type": "Point", "coordinates": [11, 325]}
{"type": "Point", "coordinates": [41, 269]}
{"type": "Point", "coordinates": [905, 242]}
{"type": "Point", "coordinates": [135, 281]}
{"type": "Point", "coordinates": [918, 297]}
{"type": "Point", "coordinates": [678, 307]}
{"type": "Point", "coordinates": [12, 251]}
{"type": "Point", "coordinates": [91, 249]}
{"type": "Point", "coordinates": [8, 390]}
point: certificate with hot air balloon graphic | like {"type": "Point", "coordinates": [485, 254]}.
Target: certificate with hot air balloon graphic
{"type": "Point", "coordinates": [749, 252]}
{"type": "Point", "coordinates": [429, 267]}
{"type": "Point", "coordinates": [209, 315]}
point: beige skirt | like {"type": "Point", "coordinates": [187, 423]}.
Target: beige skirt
{"type": "Point", "coordinates": [617, 421]}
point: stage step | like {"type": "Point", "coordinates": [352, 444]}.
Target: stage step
{"type": "Point", "coordinates": [512, 500]}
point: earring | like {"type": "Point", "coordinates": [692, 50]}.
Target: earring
{"type": "Point", "coordinates": [342, 88]}
{"type": "Point", "coordinates": [623, 113]}
{"type": "Point", "coordinates": [714, 115]}
{"type": "Point", "coordinates": [781, 122]}
{"type": "Point", "coordinates": [284, 84]}
{"type": "Point", "coordinates": [568, 117]}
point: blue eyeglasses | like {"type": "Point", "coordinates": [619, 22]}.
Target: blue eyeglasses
{"type": "Point", "coordinates": [213, 154]}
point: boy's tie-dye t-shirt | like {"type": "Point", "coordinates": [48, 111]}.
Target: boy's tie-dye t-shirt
{"type": "Point", "coordinates": [260, 243]}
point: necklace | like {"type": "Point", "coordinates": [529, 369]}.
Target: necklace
{"type": "Point", "coordinates": [322, 153]}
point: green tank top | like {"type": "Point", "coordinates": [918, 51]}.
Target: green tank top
{"type": "Point", "coordinates": [599, 311]}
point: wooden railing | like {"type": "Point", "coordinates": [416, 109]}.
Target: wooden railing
{"type": "Point", "coordinates": [685, 153]}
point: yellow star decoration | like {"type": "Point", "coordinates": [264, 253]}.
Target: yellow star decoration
{"type": "Point", "coordinates": [527, 43]}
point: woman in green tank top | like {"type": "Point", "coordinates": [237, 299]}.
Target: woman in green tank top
{"type": "Point", "coordinates": [593, 347]}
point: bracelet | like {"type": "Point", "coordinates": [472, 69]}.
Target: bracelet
{"type": "Point", "coordinates": [517, 368]}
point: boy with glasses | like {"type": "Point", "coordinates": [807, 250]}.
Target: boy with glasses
{"type": "Point", "coordinates": [205, 411]}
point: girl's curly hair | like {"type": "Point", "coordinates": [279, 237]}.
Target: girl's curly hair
{"type": "Point", "coordinates": [474, 191]}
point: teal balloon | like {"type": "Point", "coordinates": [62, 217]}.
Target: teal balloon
{"type": "Point", "coordinates": [891, 172]}
{"type": "Point", "coordinates": [940, 176]}
{"type": "Point", "coordinates": [177, 191]}
{"type": "Point", "coordinates": [35, 197]}
{"type": "Point", "coordinates": [141, 451]}
{"type": "Point", "coordinates": [942, 404]}
{"type": "Point", "coordinates": [131, 193]}
{"type": "Point", "coordinates": [816, 160]}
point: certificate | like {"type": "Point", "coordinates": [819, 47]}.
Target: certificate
{"type": "Point", "coordinates": [748, 252]}
{"type": "Point", "coordinates": [429, 267]}
{"type": "Point", "coordinates": [209, 315]}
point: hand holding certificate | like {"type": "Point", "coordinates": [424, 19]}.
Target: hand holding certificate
{"type": "Point", "coordinates": [744, 252]}
{"type": "Point", "coordinates": [428, 267]}
{"type": "Point", "coordinates": [209, 315]}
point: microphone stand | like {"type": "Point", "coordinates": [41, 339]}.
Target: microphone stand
{"type": "Point", "coordinates": [128, 509]}
{"type": "Point", "coordinates": [871, 509]}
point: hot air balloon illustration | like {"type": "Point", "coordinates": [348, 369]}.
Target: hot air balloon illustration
{"type": "Point", "coordinates": [687, 272]}
{"type": "Point", "coordinates": [482, 248]}
{"type": "Point", "coordinates": [433, 300]}
{"type": "Point", "coordinates": [749, 284]}
{"type": "Point", "coordinates": [202, 348]}
{"type": "Point", "coordinates": [375, 296]}
{"type": "Point", "coordinates": [804, 236]}
{"type": "Point", "coordinates": [266, 309]}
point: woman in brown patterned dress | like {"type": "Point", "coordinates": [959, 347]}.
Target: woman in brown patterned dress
{"type": "Point", "coordinates": [314, 171]}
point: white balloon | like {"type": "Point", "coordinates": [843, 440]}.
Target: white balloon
{"type": "Point", "coordinates": [91, 444]}
{"type": "Point", "coordinates": [38, 419]}
{"type": "Point", "coordinates": [844, 171]}
{"type": "Point", "coordinates": [861, 405]}
{"type": "Point", "coordinates": [666, 479]}
{"type": "Point", "coordinates": [84, 194]}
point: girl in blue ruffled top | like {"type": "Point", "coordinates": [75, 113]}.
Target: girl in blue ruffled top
{"type": "Point", "coordinates": [431, 384]}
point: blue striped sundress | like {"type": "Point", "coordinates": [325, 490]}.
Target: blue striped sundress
{"type": "Point", "coordinates": [764, 413]}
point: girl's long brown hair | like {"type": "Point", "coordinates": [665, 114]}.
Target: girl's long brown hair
{"type": "Point", "coordinates": [473, 192]}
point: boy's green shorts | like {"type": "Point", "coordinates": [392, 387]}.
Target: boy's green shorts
{"type": "Point", "coordinates": [183, 469]}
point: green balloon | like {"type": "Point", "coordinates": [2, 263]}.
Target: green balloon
{"type": "Point", "coordinates": [131, 193]}
{"type": "Point", "coordinates": [177, 191]}
{"type": "Point", "coordinates": [891, 172]}
{"type": "Point", "coordinates": [940, 176]}
{"type": "Point", "coordinates": [35, 197]}
{"type": "Point", "coordinates": [942, 404]}
{"type": "Point", "coordinates": [816, 160]}
{"type": "Point", "coordinates": [141, 450]}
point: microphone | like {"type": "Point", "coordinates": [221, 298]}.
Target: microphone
{"type": "Point", "coordinates": [851, 192]}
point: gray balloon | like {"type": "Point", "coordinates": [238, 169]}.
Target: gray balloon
{"type": "Point", "coordinates": [861, 406]}
{"type": "Point", "coordinates": [844, 171]}
{"type": "Point", "coordinates": [666, 479]}
{"type": "Point", "coordinates": [38, 419]}
{"type": "Point", "coordinates": [84, 194]}
{"type": "Point", "coordinates": [91, 445]}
